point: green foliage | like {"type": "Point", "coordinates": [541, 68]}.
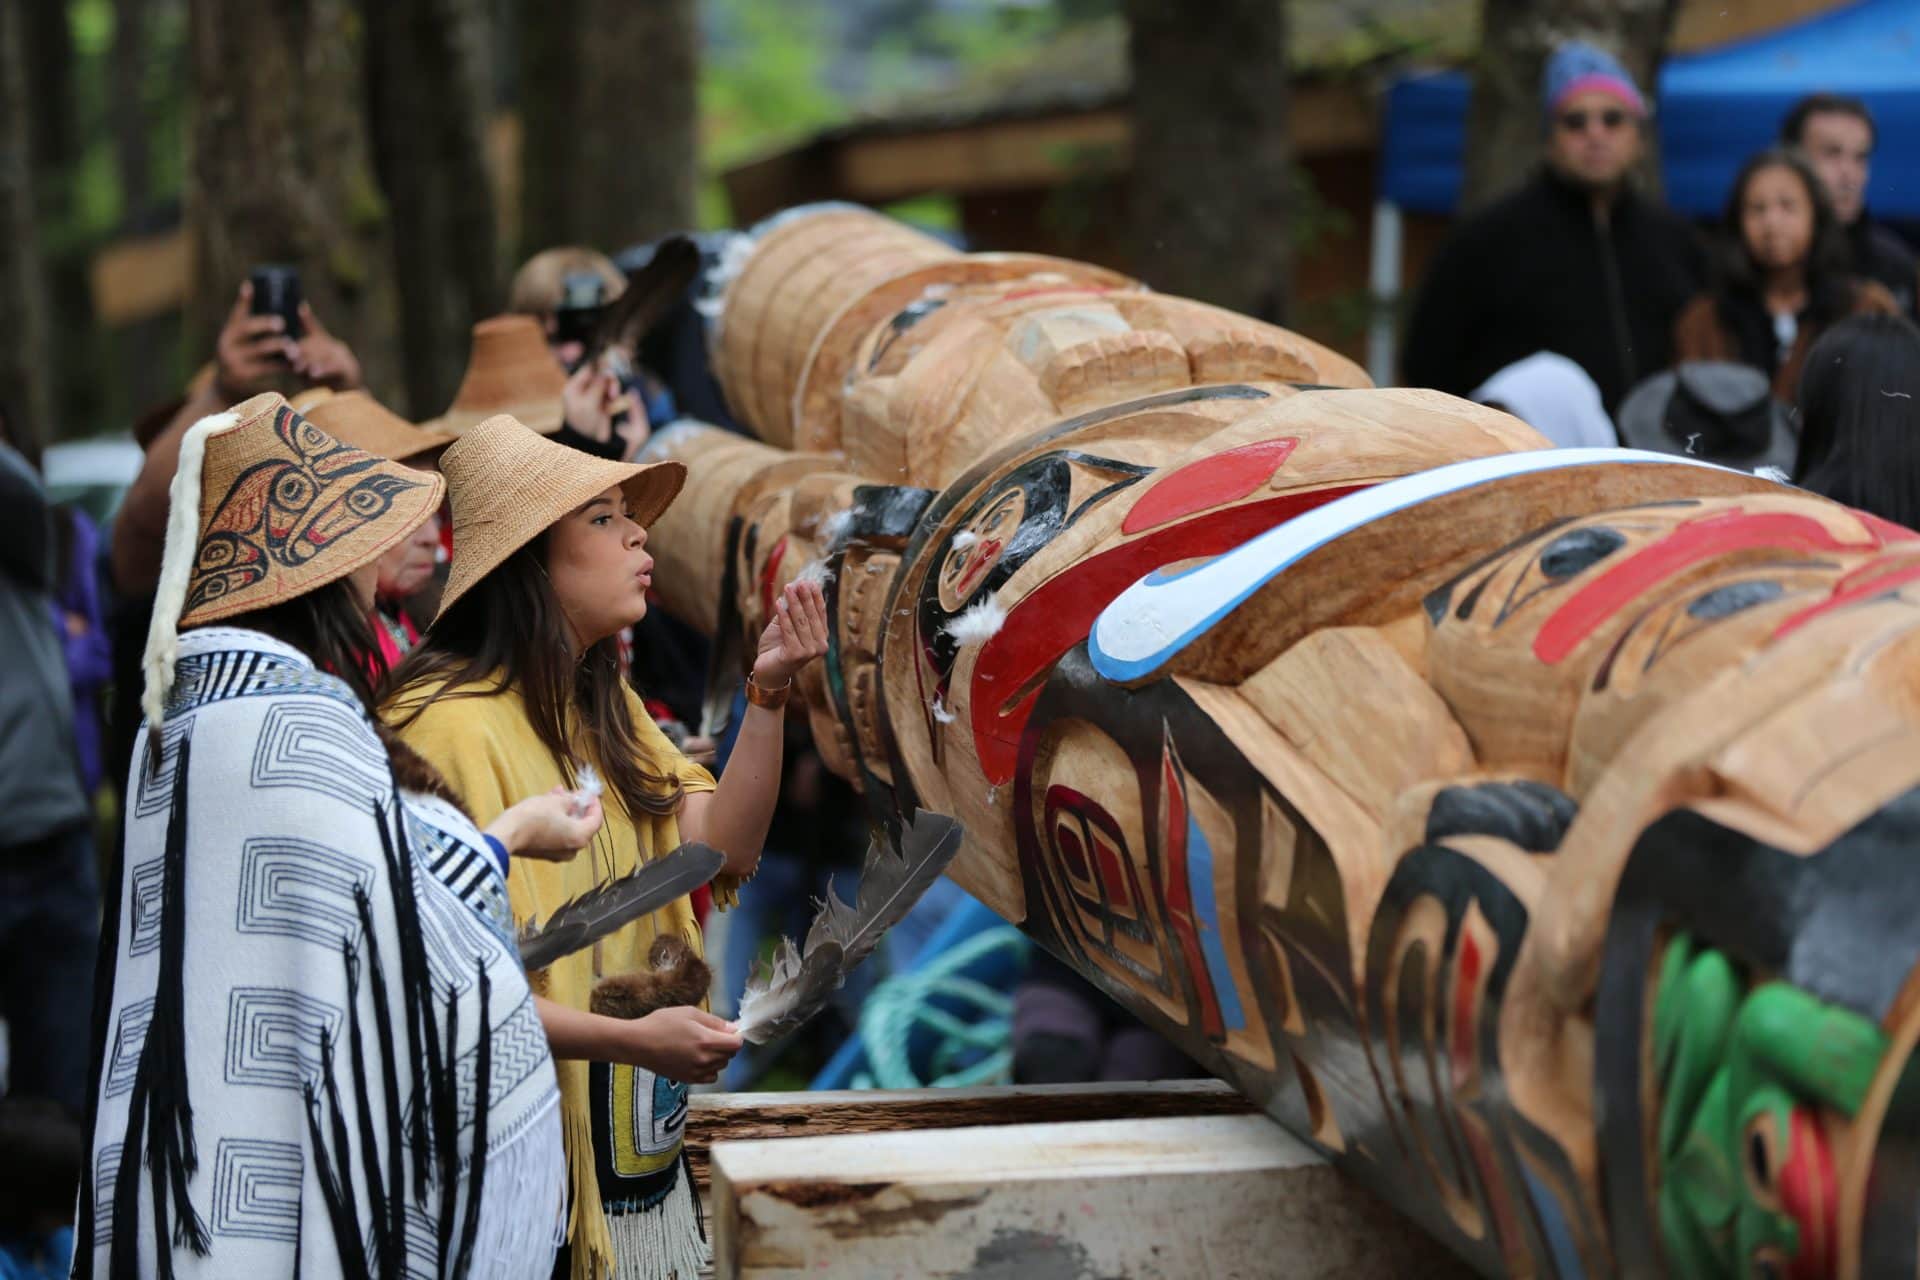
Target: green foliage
{"type": "Point", "coordinates": [762, 85]}
{"type": "Point", "coordinates": [93, 206]}
{"type": "Point", "coordinates": [769, 71]}
{"type": "Point", "coordinates": [931, 213]}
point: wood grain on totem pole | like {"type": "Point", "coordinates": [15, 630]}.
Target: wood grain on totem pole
{"type": "Point", "coordinates": [846, 336]}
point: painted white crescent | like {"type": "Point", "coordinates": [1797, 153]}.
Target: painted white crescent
{"type": "Point", "coordinates": [1155, 618]}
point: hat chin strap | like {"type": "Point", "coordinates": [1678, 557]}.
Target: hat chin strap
{"type": "Point", "coordinates": [176, 565]}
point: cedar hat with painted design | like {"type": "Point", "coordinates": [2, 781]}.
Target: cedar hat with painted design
{"type": "Point", "coordinates": [509, 371]}
{"type": "Point", "coordinates": [509, 485]}
{"type": "Point", "coordinates": [265, 507]}
{"type": "Point", "coordinates": [356, 418]}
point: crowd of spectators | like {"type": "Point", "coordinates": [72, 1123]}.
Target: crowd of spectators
{"type": "Point", "coordinates": [1782, 337]}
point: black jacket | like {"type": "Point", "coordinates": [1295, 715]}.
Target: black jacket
{"type": "Point", "coordinates": [1881, 255]}
{"type": "Point", "coordinates": [1535, 272]}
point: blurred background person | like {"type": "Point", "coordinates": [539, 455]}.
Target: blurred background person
{"type": "Point", "coordinates": [38, 1182]}
{"type": "Point", "coordinates": [1575, 262]}
{"type": "Point", "coordinates": [1838, 137]}
{"type": "Point", "coordinates": [252, 353]}
{"type": "Point", "coordinates": [49, 886]}
{"type": "Point", "coordinates": [1859, 416]}
{"type": "Point", "coordinates": [1781, 279]}
{"type": "Point", "coordinates": [410, 574]}
{"type": "Point", "coordinates": [610, 403]}
{"type": "Point", "coordinates": [1555, 397]}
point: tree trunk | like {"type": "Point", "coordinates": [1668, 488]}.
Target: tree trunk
{"type": "Point", "coordinates": [74, 390]}
{"type": "Point", "coordinates": [24, 385]}
{"type": "Point", "coordinates": [1212, 166]}
{"type": "Point", "coordinates": [608, 93]}
{"type": "Point", "coordinates": [428, 101]}
{"type": "Point", "coordinates": [128, 108]}
{"type": "Point", "coordinates": [1505, 124]}
{"type": "Point", "coordinates": [46, 52]}
{"type": "Point", "coordinates": [278, 171]}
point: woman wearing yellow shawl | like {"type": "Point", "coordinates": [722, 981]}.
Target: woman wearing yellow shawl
{"type": "Point", "coordinates": [515, 689]}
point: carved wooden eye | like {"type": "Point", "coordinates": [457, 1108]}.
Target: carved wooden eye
{"type": "Point", "coordinates": [1575, 552]}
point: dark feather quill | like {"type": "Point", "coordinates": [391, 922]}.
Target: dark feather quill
{"type": "Point", "coordinates": [841, 936]}
{"type": "Point", "coordinates": [650, 293]}
{"type": "Point", "coordinates": [597, 913]}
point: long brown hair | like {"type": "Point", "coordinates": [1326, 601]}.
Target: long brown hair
{"type": "Point", "coordinates": [508, 632]}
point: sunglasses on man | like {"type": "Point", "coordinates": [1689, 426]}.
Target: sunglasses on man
{"type": "Point", "coordinates": [1577, 121]}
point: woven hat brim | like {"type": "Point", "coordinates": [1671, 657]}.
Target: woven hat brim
{"type": "Point", "coordinates": [390, 437]}
{"type": "Point", "coordinates": [543, 416]}
{"type": "Point", "coordinates": [409, 510]}
{"type": "Point", "coordinates": [481, 546]}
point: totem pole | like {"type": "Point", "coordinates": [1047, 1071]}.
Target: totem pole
{"type": "Point", "coordinates": [1522, 827]}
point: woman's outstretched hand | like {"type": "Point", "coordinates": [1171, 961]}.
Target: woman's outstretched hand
{"type": "Point", "coordinates": [553, 827]}
{"type": "Point", "coordinates": [682, 1043]}
{"type": "Point", "coordinates": [795, 635]}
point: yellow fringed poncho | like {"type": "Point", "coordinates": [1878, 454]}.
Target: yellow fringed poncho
{"type": "Point", "coordinates": [487, 750]}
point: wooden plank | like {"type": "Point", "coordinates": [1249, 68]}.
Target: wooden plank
{"type": "Point", "coordinates": [135, 278]}
{"type": "Point", "coordinates": [1327, 116]}
{"type": "Point", "coordinates": [732, 1117]}
{"type": "Point", "coordinates": [1012, 153]}
{"type": "Point", "coordinates": [1181, 1198]}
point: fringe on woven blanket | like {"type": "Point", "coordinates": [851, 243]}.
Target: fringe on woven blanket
{"type": "Point", "coordinates": [523, 1216]}
{"type": "Point", "coordinates": [662, 1243]}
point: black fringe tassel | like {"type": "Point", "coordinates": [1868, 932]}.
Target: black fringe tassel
{"type": "Point", "coordinates": [161, 1097]}
{"type": "Point", "coordinates": [106, 965]}
{"type": "Point", "coordinates": [363, 1117]}
{"type": "Point", "coordinates": [446, 1123]}
{"type": "Point", "coordinates": [482, 1089]}
{"type": "Point", "coordinates": [336, 1180]}
{"type": "Point", "coordinates": [396, 1226]}
{"type": "Point", "coordinates": [423, 1051]}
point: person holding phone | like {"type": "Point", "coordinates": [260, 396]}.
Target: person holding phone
{"type": "Point", "coordinates": [252, 353]}
{"type": "Point", "coordinates": [610, 402]}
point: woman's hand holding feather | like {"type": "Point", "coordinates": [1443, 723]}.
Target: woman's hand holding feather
{"type": "Point", "coordinates": [682, 1043]}
{"type": "Point", "coordinates": [553, 827]}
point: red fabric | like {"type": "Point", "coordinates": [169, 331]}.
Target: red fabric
{"type": "Point", "coordinates": [389, 652]}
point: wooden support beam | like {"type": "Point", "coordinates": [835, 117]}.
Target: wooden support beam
{"type": "Point", "coordinates": [1180, 1198]}
{"type": "Point", "coordinates": [736, 1117]}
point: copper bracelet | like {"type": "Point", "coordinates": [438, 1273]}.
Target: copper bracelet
{"type": "Point", "coordinates": [771, 699]}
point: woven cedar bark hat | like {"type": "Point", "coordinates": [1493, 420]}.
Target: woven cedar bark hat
{"type": "Point", "coordinates": [265, 507]}
{"type": "Point", "coordinates": [356, 418]}
{"type": "Point", "coordinates": [508, 485]}
{"type": "Point", "coordinates": [509, 371]}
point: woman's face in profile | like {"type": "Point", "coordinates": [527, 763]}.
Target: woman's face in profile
{"type": "Point", "coordinates": [598, 564]}
{"type": "Point", "coordinates": [1776, 218]}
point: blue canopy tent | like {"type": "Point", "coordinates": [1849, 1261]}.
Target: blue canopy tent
{"type": "Point", "coordinates": [1715, 108]}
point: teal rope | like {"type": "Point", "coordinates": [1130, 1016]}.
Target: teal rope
{"type": "Point", "coordinates": [905, 1001]}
